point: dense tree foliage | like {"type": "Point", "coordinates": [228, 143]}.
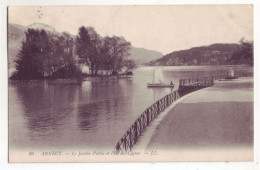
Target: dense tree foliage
{"type": "Point", "coordinates": [44, 55]}
{"type": "Point", "coordinates": [52, 55]}
{"type": "Point", "coordinates": [129, 64]}
{"type": "Point", "coordinates": [35, 49]}
{"type": "Point", "coordinates": [114, 51]}
{"type": "Point", "coordinates": [87, 47]}
{"type": "Point", "coordinates": [99, 53]}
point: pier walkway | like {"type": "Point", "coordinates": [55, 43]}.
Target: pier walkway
{"type": "Point", "coordinates": [214, 124]}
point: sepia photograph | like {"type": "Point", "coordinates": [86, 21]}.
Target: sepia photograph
{"type": "Point", "coordinates": [131, 83]}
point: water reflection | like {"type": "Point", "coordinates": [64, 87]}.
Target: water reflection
{"type": "Point", "coordinates": [93, 114]}
{"type": "Point", "coordinates": [87, 116]}
{"type": "Point", "coordinates": [46, 108]}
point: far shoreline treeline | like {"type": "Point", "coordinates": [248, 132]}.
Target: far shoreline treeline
{"type": "Point", "coordinates": [215, 54]}
{"type": "Point", "coordinates": [47, 55]}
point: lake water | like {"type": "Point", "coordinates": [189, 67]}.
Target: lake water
{"type": "Point", "coordinates": [93, 114]}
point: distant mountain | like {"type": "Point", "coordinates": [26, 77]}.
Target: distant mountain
{"type": "Point", "coordinates": [16, 34]}
{"type": "Point", "coordinates": [215, 54]}
{"type": "Point", "coordinates": [41, 26]}
{"type": "Point", "coordinates": [141, 55]}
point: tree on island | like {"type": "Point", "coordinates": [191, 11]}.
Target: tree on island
{"type": "Point", "coordinates": [30, 59]}
{"type": "Point", "coordinates": [46, 55]}
{"type": "Point", "coordinates": [87, 47]}
{"type": "Point", "coordinates": [99, 53]}
{"type": "Point", "coordinates": [63, 62]}
{"type": "Point", "coordinates": [121, 51]}
{"type": "Point", "coordinates": [129, 64]}
{"type": "Point", "coordinates": [114, 52]}
{"type": "Point", "coordinates": [54, 55]}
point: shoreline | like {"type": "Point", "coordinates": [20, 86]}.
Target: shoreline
{"type": "Point", "coordinates": [69, 80]}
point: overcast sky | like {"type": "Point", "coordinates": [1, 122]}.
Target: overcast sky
{"type": "Point", "coordinates": [161, 28]}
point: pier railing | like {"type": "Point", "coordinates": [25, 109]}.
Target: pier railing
{"type": "Point", "coordinates": [192, 84]}
{"type": "Point", "coordinates": [137, 128]}
{"type": "Point", "coordinates": [134, 132]}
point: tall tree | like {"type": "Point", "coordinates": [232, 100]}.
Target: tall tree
{"type": "Point", "coordinates": [30, 59]}
{"type": "Point", "coordinates": [82, 45]}
{"type": "Point", "coordinates": [62, 63]}
{"type": "Point", "coordinates": [114, 52]}
{"type": "Point", "coordinates": [106, 53]}
{"type": "Point", "coordinates": [121, 49]}
{"type": "Point", "coordinates": [87, 47]}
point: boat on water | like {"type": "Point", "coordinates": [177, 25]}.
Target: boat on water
{"type": "Point", "coordinates": [158, 80]}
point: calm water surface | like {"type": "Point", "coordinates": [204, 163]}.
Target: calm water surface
{"type": "Point", "coordinates": [94, 114]}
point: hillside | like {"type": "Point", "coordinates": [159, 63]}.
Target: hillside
{"type": "Point", "coordinates": [141, 55]}
{"type": "Point", "coordinates": [215, 54]}
{"type": "Point", "coordinates": [15, 37]}
{"type": "Point", "coordinates": [42, 26]}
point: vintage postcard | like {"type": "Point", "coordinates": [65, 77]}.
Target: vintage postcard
{"type": "Point", "coordinates": [131, 83]}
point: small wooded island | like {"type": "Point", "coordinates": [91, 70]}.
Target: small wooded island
{"type": "Point", "coordinates": [46, 55]}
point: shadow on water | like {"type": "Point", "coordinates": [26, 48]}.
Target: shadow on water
{"type": "Point", "coordinates": [54, 113]}
{"type": "Point", "coordinates": [46, 108]}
